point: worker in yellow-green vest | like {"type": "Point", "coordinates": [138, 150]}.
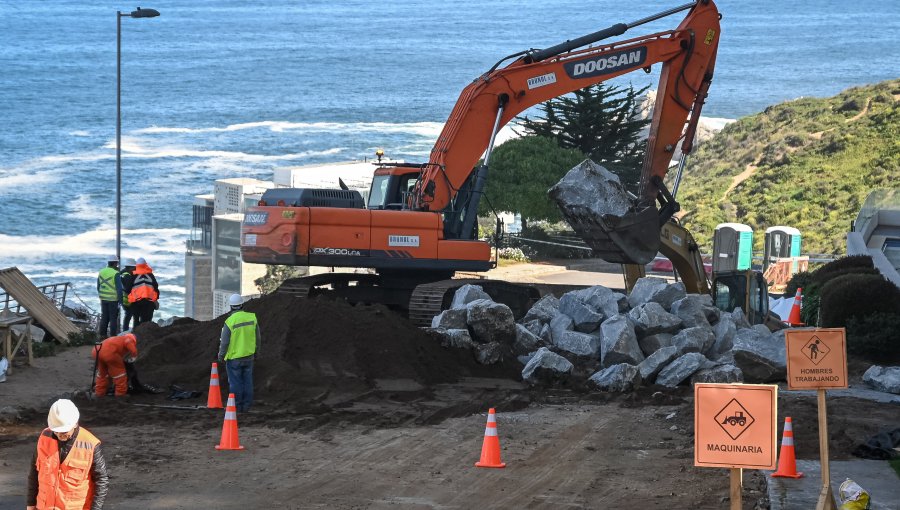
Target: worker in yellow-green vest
{"type": "Point", "coordinates": [110, 294]}
{"type": "Point", "coordinates": [238, 345]}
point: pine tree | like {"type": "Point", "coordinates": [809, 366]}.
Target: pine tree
{"type": "Point", "coordinates": [602, 121]}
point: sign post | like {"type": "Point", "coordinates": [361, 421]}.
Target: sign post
{"type": "Point", "coordinates": [734, 427]}
{"type": "Point", "coordinates": [817, 359]}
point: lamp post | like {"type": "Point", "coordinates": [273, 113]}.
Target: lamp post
{"type": "Point", "coordinates": [139, 13]}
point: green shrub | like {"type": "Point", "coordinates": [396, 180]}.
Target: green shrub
{"type": "Point", "coordinates": [43, 349]}
{"type": "Point", "coordinates": [859, 261]}
{"type": "Point", "coordinates": [874, 336]}
{"type": "Point", "coordinates": [856, 295]}
{"type": "Point", "coordinates": [542, 251]}
{"type": "Point", "coordinates": [86, 337]}
{"type": "Point", "coordinates": [516, 254]}
{"type": "Point", "coordinates": [799, 280]}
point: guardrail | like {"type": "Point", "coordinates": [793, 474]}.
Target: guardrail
{"type": "Point", "coordinates": [55, 292]}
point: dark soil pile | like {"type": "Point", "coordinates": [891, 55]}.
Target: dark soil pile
{"type": "Point", "coordinates": [311, 349]}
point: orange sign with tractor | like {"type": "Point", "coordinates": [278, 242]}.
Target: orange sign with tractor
{"type": "Point", "coordinates": [734, 425]}
{"type": "Point", "coordinates": [816, 358]}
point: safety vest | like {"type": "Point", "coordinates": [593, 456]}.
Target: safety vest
{"type": "Point", "coordinates": [122, 274]}
{"type": "Point", "coordinates": [67, 485]}
{"type": "Point", "coordinates": [243, 334]}
{"type": "Point", "coordinates": [143, 285]}
{"type": "Point", "coordinates": [106, 284]}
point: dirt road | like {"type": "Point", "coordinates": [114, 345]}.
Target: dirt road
{"type": "Point", "coordinates": [334, 427]}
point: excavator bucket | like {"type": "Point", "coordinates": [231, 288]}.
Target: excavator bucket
{"type": "Point", "coordinates": [595, 204]}
{"type": "Point", "coordinates": [632, 238]}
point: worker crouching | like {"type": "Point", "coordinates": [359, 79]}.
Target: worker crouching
{"type": "Point", "coordinates": [110, 356]}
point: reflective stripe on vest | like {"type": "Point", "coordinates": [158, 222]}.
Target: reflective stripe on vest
{"type": "Point", "coordinates": [243, 334]}
{"type": "Point", "coordinates": [107, 283]}
{"type": "Point", "coordinates": [142, 289]}
{"type": "Point", "coordinates": [122, 276]}
{"type": "Point", "coordinates": [66, 485]}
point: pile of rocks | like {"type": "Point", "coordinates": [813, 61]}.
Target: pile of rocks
{"type": "Point", "coordinates": [658, 334]}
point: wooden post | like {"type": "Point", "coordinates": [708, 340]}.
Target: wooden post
{"type": "Point", "coordinates": [737, 487]}
{"type": "Point", "coordinates": [826, 499]}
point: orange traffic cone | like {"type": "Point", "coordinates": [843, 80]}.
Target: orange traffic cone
{"type": "Point", "coordinates": [490, 449]}
{"type": "Point", "coordinates": [214, 400]}
{"type": "Point", "coordinates": [230, 440]}
{"type": "Point", "coordinates": [787, 461]}
{"type": "Point", "coordinates": [794, 318]}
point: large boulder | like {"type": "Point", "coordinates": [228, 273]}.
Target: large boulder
{"type": "Point", "coordinates": [725, 331]}
{"type": "Point", "coordinates": [585, 319]}
{"type": "Point", "coordinates": [651, 318]}
{"type": "Point", "coordinates": [559, 325]}
{"type": "Point", "coordinates": [679, 370]}
{"type": "Point", "coordinates": [652, 365]}
{"type": "Point", "coordinates": [603, 300]}
{"type": "Point", "coordinates": [886, 379]}
{"type": "Point", "coordinates": [455, 338]}
{"type": "Point", "coordinates": [490, 321]}
{"type": "Point", "coordinates": [699, 339]}
{"type": "Point", "coordinates": [579, 344]}
{"type": "Point", "coordinates": [762, 358]}
{"type": "Point", "coordinates": [718, 374]}
{"type": "Point", "coordinates": [618, 342]}
{"type": "Point", "coordinates": [526, 341]}
{"type": "Point", "coordinates": [489, 353]}
{"type": "Point", "coordinates": [653, 343]}
{"type": "Point", "coordinates": [546, 367]}
{"type": "Point", "coordinates": [543, 310]}
{"type": "Point", "coordinates": [454, 318]}
{"type": "Point", "coordinates": [622, 377]}
{"type": "Point", "coordinates": [466, 294]}
{"type": "Point", "coordinates": [740, 319]}
{"type": "Point", "coordinates": [667, 296]}
{"type": "Point", "coordinates": [534, 325]}
{"type": "Point", "coordinates": [690, 310]}
{"type": "Point", "coordinates": [644, 290]}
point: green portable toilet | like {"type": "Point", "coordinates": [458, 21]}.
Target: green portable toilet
{"type": "Point", "coordinates": [732, 247]}
{"type": "Point", "coordinates": [781, 242]}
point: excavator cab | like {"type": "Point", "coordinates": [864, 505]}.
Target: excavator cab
{"type": "Point", "coordinates": [747, 290]}
{"type": "Point", "coordinates": [391, 186]}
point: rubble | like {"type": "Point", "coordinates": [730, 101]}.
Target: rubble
{"type": "Point", "coordinates": [618, 342]}
{"type": "Point", "coordinates": [454, 318]}
{"type": "Point", "coordinates": [718, 374]}
{"type": "Point", "coordinates": [466, 294]}
{"type": "Point", "coordinates": [546, 366]}
{"type": "Point", "coordinates": [683, 367]}
{"type": "Point", "coordinates": [652, 365]}
{"type": "Point", "coordinates": [622, 377]}
{"type": "Point", "coordinates": [489, 321]}
{"type": "Point", "coordinates": [761, 357]}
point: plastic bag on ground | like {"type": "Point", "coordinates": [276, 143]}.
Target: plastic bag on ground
{"type": "Point", "coordinates": [852, 496]}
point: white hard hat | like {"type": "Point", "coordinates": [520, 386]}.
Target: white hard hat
{"type": "Point", "coordinates": [63, 416]}
{"type": "Point", "coordinates": [140, 260]}
{"type": "Point", "coordinates": [130, 262]}
{"type": "Point", "coordinates": [235, 300]}
{"type": "Point", "coordinates": [112, 258]}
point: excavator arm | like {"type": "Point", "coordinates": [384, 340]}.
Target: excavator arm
{"type": "Point", "coordinates": [448, 182]}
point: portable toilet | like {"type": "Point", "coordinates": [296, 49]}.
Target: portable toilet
{"type": "Point", "coordinates": [781, 242]}
{"type": "Point", "coordinates": [732, 247]}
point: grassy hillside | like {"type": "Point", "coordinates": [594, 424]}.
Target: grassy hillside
{"type": "Point", "coordinates": [808, 163]}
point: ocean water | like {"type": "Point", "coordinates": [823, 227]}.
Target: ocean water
{"type": "Point", "coordinates": [228, 88]}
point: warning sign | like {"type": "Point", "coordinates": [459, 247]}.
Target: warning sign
{"type": "Point", "coordinates": [816, 358]}
{"type": "Point", "coordinates": [734, 425]}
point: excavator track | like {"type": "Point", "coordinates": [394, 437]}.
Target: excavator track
{"type": "Point", "coordinates": [429, 299]}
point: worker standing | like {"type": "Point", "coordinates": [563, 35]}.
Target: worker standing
{"type": "Point", "coordinates": [126, 274]}
{"type": "Point", "coordinates": [109, 298]}
{"type": "Point", "coordinates": [238, 345]}
{"type": "Point", "coordinates": [68, 469]}
{"type": "Point", "coordinates": [111, 356]}
{"type": "Point", "coordinates": [143, 292]}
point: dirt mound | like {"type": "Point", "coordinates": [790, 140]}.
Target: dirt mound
{"type": "Point", "coordinates": [311, 349]}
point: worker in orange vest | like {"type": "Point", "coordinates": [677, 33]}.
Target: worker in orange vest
{"type": "Point", "coordinates": [143, 292]}
{"type": "Point", "coordinates": [68, 470]}
{"type": "Point", "coordinates": [111, 356]}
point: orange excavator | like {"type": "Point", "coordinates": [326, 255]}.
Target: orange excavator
{"type": "Point", "coordinates": [419, 226]}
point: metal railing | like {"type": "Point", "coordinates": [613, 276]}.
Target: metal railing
{"type": "Point", "coordinates": [55, 292]}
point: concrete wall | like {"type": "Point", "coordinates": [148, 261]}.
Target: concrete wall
{"type": "Point", "coordinates": [198, 295]}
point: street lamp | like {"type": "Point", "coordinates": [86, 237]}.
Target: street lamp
{"type": "Point", "coordinates": [139, 13]}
